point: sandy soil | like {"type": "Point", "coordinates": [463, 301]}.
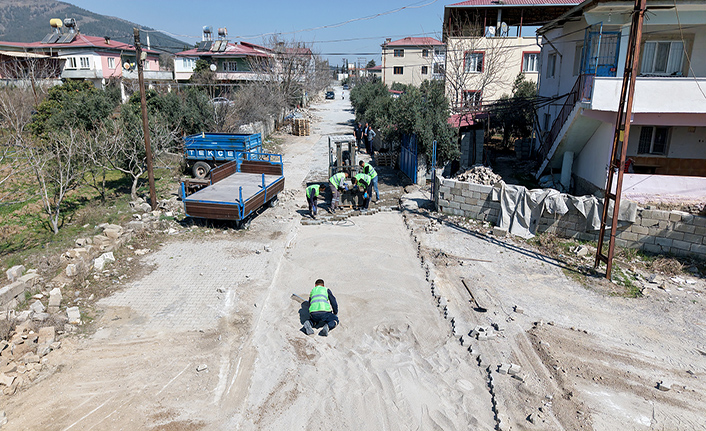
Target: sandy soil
{"type": "Point", "coordinates": [402, 357]}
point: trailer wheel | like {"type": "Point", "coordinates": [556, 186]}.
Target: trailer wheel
{"type": "Point", "coordinates": [200, 170]}
{"type": "Point", "coordinates": [244, 224]}
{"type": "Point", "coordinates": [273, 202]}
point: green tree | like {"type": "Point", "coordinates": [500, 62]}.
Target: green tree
{"type": "Point", "coordinates": [370, 64]}
{"type": "Point", "coordinates": [76, 104]}
{"type": "Point", "coordinates": [516, 112]}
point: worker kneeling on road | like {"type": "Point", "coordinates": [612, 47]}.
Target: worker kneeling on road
{"type": "Point", "coordinates": [312, 192]}
{"type": "Point", "coordinates": [323, 308]}
{"type": "Point", "coordinates": [364, 183]}
{"type": "Point", "coordinates": [368, 169]}
{"type": "Point", "coordinates": [337, 185]}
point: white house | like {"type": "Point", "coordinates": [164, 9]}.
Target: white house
{"type": "Point", "coordinates": [412, 60]}
{"type": "Point", "coordinates": [583, 56]}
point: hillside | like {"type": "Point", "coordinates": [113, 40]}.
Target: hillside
{"type": "Point", "coordinates": [28, 21]}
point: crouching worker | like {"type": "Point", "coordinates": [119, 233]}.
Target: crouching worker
{"type": "Point", "coordinates": [337, 185]}
{"type": "Point", "coordinates": [364, 183]}
{"type": "Point", "coordinates": [313, 192]}
{"type": "Point", "coordinates": [323, 308]}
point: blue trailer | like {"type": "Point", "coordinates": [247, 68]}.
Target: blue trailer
{"type": "Point", "coordinates": [236, 189]}
{"type": "Point", "coordinates": [205, 151]}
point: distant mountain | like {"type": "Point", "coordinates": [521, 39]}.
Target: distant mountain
{"type": "Point", "coordinates": [28, 21]}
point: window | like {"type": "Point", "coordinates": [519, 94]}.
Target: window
{"type": "Point", "coordinates": [578, 56]}
{"type": "Point", "coordinates": [230, 66]}
{"type": "Point", "coordinates": [438, 51]}
{"type": "Point", "coordinates": [85, 62]}
{"type": "Point", "coordinates": [425, 53]}
{"type": "Point", "coordinates": [439, 68]}
{"type": "Point", "coordinates": [551, 65]}
{"type": "Point", "coordinates": [147, 65]}
{"type": "Point", "coordinates": [111, 63]}
{"type": "Point", "coordinates": [474, 62]}
{"type": "Point", "coordinates": [530, 60]}
{"type": "Point", "coordinates": [398, 70]}
{"type": "Point", "coordinates": [662, 58]}
{"type": "Point", "coordinates": [471, 99]}
{"type": "Point", "coordinates": [425, 70]}
{"type": "Point", "coordinates": [188, 63]}
{"type": "Point", "coordinates": [71, 63]}
{"type": "Point", "coordinates": [653, 140]}
{"type": "Point", "coordinates": [398, 53]}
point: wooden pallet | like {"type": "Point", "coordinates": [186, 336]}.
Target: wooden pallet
{"type": "Point", "coordinates": [301, 127]}
{"type": "Point", "coordinates": [386, 159]}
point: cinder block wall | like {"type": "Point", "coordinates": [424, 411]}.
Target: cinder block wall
{"type": "Point", "coordinates": [654, 230]}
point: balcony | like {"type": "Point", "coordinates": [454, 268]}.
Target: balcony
{"type": "Point", "coordinates": [653, 95]}
{"type": "Point", "coordinates": [80, 74]}
{"type": "Point", "coordinates": [150, 75]}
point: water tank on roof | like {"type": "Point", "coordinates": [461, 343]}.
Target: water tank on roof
{"type": "Point", "coordinates": [207, 29]}
{"type": "Point", "coordinates": [56, 22]}
{"type": "Point", "coordinates": [222, 32]}
{"type": "Point", "coordinates": [69, 22]}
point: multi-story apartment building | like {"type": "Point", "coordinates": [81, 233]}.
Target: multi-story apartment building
{"type": "Point", "coordinates": [583, 56]}
{"type": "Point", "coordinates": [489, 43]}
{"type": "Point", "coordinates": [412, 60]}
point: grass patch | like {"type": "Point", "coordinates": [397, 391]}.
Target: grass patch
{"type": "Point", "coordinates": [632, 290]}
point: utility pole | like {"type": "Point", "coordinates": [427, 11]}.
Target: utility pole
{"type": "Point", "coordinates": [620, 137]}
{"type": "Point", "coordinates": [145, 122]}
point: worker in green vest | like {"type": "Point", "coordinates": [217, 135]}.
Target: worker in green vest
{"type": "Point", "coordinates": [323, 309]}
{"type": "Point", "coordinates": [313, 192]}
{"type": "Point", "coordinates": [337, 185]}
{"type": "Point", "coordinates": [368, 169]}
{"type": "Point", "coordinates": [364, 183]}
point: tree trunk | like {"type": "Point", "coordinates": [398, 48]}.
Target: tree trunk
{"type": "Point", "coordinates": [133, 189]}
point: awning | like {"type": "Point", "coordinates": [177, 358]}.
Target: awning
{"type": "Point", "coordinates": [21, 54]}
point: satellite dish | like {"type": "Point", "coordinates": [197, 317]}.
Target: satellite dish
{"type": "Point", "coordinates": [126, 66]}
{"type": "Point", "coordinates": [491, 31]}
{"type": "Point", "coordinates": [213, 67]}
{"type": "Point", "coordinates": [503, 29]}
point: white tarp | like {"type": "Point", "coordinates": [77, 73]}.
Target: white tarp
{"type": "Point", "coordinates": [521, 209]}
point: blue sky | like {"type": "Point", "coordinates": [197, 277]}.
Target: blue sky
{"type": "Point", "coordinates": [249, 20]}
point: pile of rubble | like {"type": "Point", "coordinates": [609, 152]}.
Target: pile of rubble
{"type": "Point", "coordinates": [478, 174]}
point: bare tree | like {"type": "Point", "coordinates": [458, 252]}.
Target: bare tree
{"type": "Point", "coordinates": [475, 67]}
{"type": "Point", "coordinates": [58, 166]}
{"type": "Point", "coordinates": [117, 145]}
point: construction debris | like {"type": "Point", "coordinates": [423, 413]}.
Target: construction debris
{"type": "Point", "coordinates": [479, 174]}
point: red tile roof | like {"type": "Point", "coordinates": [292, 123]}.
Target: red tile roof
{"type": "Point", "coordinates": [515, 3]}
{"type": "Point", "coordinates": [415, 41]}
{"type": "Point", "coordinates": [233, 49]}
{"type": "Point", "coordinates": [80, 41]}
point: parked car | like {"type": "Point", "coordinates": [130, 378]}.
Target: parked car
{"type": "Point", "coordinates": [345, 86]}
{"type": "Point", "coordinates": [330, 95]}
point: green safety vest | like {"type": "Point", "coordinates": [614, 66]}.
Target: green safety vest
{"type": "Point", "coordinates": [337, 180]}
{"type": "Point", "coordinates": [318, 299]}
{"type": "Point", "coordinates": [371, 170]}
{"type": "Point", "coordinates": [364, 178]}
{"type": "Point", "coordinates": [315, 189]}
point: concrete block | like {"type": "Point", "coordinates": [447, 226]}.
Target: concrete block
{"type": "Point", "coordinates": [674, 235]}
{"type": "Point", "coordinates": [641, 230]}
{"type": "Point", "coordinates": [674, 217]}
{"type": "Point", "coordinates": [444, 189]}
{"type": "Point", "coordinates": [11, 291]}
{"type": "Point", "coordinates": [629, 236]}
{"type": "Point", "coordinates": [698, 230]}
{"type": "Point", "coordinates": [37, 307]}
{"type": "Point", "coordinates": [454, 205]}
{"type": "Point", "coordinates": [652, 248]}
{"type": "Point", "coordinates": [683, 227]}
{"type": "Point", "coordinates": [15, 272]}
{"type": "Point", "coordinates": [664, 242]}
{"type": "Point", "coordinates": [443, 202]}
{"type": "Point", "coordinates": [74, 315]}
{"type": "Point", "coordinates": [648, 222]}
{"type": "Point", "coordinates": [696, 239]}
{"type": "Point", "coordinates": [699, 221]}
{"type": "Point", "coordinates": [656, 214]}
{"type": "Point", "coordinates": [621, 242]}
{"type": "Point", "coordinates": [646, 239]}
{"type": "Point", "coordinates": [499, 232]}
{"type": "Point", "coordinates": [466, 207]}
{"type": "Point", "coordinates": [697, 248]}
{"type": "Point", "coordinates": [55, 297]}
{"type": "Point", "coordinates": [678, 251]}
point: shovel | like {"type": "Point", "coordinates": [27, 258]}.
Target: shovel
{"type": "Point", "coordinates": [477, 307]}
{"type": "Point", "coordinates": [298, 298]}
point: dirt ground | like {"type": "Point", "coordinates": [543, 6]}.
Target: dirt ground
{"type": "Point", "coordinates": [210, 338]}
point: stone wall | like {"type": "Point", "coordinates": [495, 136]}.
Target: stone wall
{"type": "Point", "coordinates": [654, 231]}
